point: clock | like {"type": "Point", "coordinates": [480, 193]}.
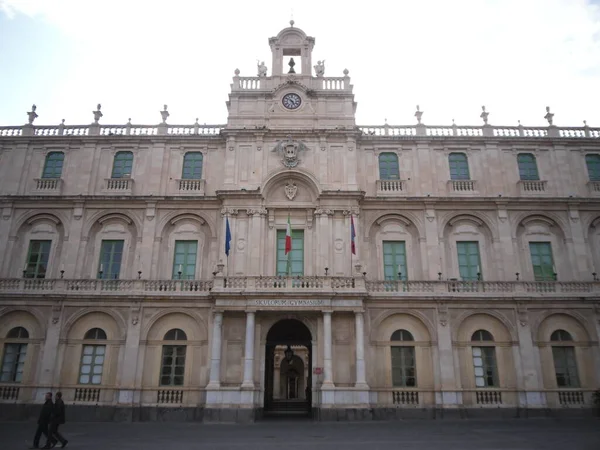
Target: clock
{"type": "Point", "coordinates": [291, 101]}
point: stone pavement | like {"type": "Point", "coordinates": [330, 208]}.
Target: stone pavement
{"type": "Point", "coordinates": [524, 434]}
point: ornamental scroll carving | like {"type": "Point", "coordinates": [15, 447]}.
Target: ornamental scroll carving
{"type": "Point", "coordinates": [284, 303]}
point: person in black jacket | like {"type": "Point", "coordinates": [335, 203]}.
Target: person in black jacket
{"type": "Point", "coordinates": [58, 418]}
{"type": "Point", "coordinates": [43, 420]}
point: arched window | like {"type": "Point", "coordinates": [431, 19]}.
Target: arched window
{"type": "Point", "coordinates": [13, 358]}
{"type": "Point", "coordinates": [92, 357]}
{"type": "Point", "coordinates": [527, 167]}
{"type": "Point", "coordinates": [459, 166]}
{"type": "Point", "coordinates": [53, 165]}
{"type": "Point", "coordinates": [484, 359]}
{"type": "Point", "coordinates": [192, 166]}
{"type": "Point", "coordinates": [122, 165]}
{"type": "Point", "coordinates": [388, 166]}
{"type": "Point", "coordinates": [173, 359]}
{"type": "Point", "coordinates": [593, 166]}
{"type": "Point", "coordinates": [565, 362]}
{"type": "Point", "coordinates": [404, 367]}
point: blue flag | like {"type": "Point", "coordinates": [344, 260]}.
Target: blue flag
{"type": "Point", "coordinates": [227, 236]}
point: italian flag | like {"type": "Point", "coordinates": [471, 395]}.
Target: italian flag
{"type": "Point", "coordinates": [288, 237]}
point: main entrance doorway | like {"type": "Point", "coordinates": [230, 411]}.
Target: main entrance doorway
{"type": "Point", "coordinates": [288, 369]}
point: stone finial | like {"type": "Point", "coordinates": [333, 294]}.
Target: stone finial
{"type": "Point", "coordinates": [549, 116]}
{"type": "Point", "coordinates": [237, 72]}
{"type": "Point", "coordinates": [32, 114]}
{"type": "Point", "coordinates": [346, 72]}
{"type": "Point", "coordinates": [165, 114]}
{"type": "Point", "coordinates": [262, 69]}
{"type": "Point", "coordinates": [585, 123]}
{"type": "Point", "coordinates": [484, 115]}
{"type": "Point", "coordinates": [418, 115]}
{"type": "Point", "coordinates": [292, 23]}
{"type": "Point", "coordinates": [129, 121]}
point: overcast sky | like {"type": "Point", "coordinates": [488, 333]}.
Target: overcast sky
{"type": "Point", "coordinates": [450, 57]}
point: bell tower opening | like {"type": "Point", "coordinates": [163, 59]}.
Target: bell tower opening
{"type": "Point", "coordinates": [292, 52]}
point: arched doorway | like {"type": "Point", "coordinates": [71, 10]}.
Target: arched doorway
{"type": "Point", "coordinates": [288, 369]}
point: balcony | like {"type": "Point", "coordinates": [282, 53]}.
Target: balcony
{"type": "Point", "coordinates": [190, 187]}
{"type": "Point", "coordinates": [391, 187]}
{"type": "Point", "coordinates": [462, 186]}
{"type": "Point", "coordinates": [532, 187]}
{"type": "Point", "coordinates": [297, 286]}
{"type": "Point", "coordinates": [48, 186]}
{"type": "Point", "coordinates": [594, 187]}
{"type": "Point", "coordinates": [121, 186]}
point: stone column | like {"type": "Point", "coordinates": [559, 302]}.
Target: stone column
{"type": "Point", "coordinates": [48, 370]}
{"type": "Point", "coordinates": [449, 394]}
{"type": "Point", "coordinates": [215, 358]}
{"type": "Point", "coordinates": [128, 369]}
{"type": "Point", "coordinates": [361, 376]}
{"type": "Point", "coordinates": [531, 366]}
{"type": "Point", "coordinates": [249, 353]}
{"type": "Point", "coordinates": [328, 364]}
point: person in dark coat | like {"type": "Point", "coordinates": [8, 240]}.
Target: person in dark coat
{"type": "Point", "coordinates": [43, 420]}
{"type": "Point", "coordinates": [58, 418]}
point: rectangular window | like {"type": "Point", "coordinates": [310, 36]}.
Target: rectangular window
{"type": "Point", "coordinates": [459, 166]}
{"type": "Point", "coordinates": [484, 363]}
{"type": "Point", "coordinates": [37, 259]}
{"type": "Point", "coordinates": [54, 165]}
{"type": "Point", "coordinates": [469, 263]}
{"type": "Point", "coordinates": [593, 166]}
{"type": "Point", "coordinates": [565, 367]}
{"type": "Point", "coordinates": [111, 254]}
{"type": "Point", "coordinates": [389, 167]}
{"type": "Point", "coordinates": [394, 260]}
{"type": "Point", "coordinates": [192, 166]}
{"type": "Point", "coordinates": [173, 365]}
{"type": "Point", "coordinates": [527, 167]}
{"type": "Point", "coordinates": [13, 362]}
{"type": "Point", "coordinates": [403, 367]}
{"type": "Point", "coordinates": [123, 164]}
{"type": "Point", "coordinates": [295, 258]}
{"type": "Point", "coordinates": [92, 362]}
{"type": "Point", "coordinates": [542, 261]}
{"type": "Point", "coordinates": [184, 260]}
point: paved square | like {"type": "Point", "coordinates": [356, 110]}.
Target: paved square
{"type": "Point", "coordinates": [532, 434]}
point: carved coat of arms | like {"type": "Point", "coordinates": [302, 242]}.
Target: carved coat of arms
{"type": "Point", "coordinates": [290, 190]}
{"type": "Point", "coordinates": [289, 150]}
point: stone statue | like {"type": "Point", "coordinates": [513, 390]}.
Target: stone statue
{"type": "Point", "coordinates": [32, 114]}
{"type": "Point", "coordinates": [97, 114]}
{"type": "Point", "coordinates": [262, 69]}
{"type": "Point", "coordinates": [418, 114]}
{"type": "Point", "coordinates": [484, 115]}
{"type": "Point", "coordinates": [320, 68]}
{"type": "Point", "coordinates": [549, 116]}
{"type": "Point", "coordinates": [165, 114]}
{"type": "Point", "coordinates": [291, 64]}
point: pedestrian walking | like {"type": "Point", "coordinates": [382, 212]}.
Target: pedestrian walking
{"type": "Point", "coordinates": [57, 419]}
{"type": "Point", "coordinates": [44, 420]}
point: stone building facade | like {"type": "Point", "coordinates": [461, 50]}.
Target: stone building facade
{"type": "Point", "coordinates": [433, 270]}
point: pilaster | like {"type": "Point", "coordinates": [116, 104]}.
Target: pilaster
{"type": "Point", "coordinates": [127, 370]}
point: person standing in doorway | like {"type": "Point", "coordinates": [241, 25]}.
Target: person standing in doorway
{"type": "Point", "coordinates": [43, 420]}
{"type": "Point", "coordinates": [58, 418]}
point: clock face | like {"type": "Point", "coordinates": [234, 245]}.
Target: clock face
{"type": "Point", "coordinates": [291, 101]}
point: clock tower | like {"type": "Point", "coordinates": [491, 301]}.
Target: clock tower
{"type": "Point", "coordinates": [295, 94]}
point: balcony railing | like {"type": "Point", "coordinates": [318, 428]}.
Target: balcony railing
{"type": "Point", "coordinates": [594, 187]}
{"type": "Point", "coordinates": [533, 186]}
{"type": "Point", "coordinates": [391, 187]}
{"type": "Point", "coordinates": [195, 187]}
{"type": "Point", "coordinates": [462, 186]}
{"type": "Point", "coordinates": [48, 185]}
{"type": "Point", "coordinates": [315, 284]}
{"type": "Point", "coordinates": [119, 185]}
